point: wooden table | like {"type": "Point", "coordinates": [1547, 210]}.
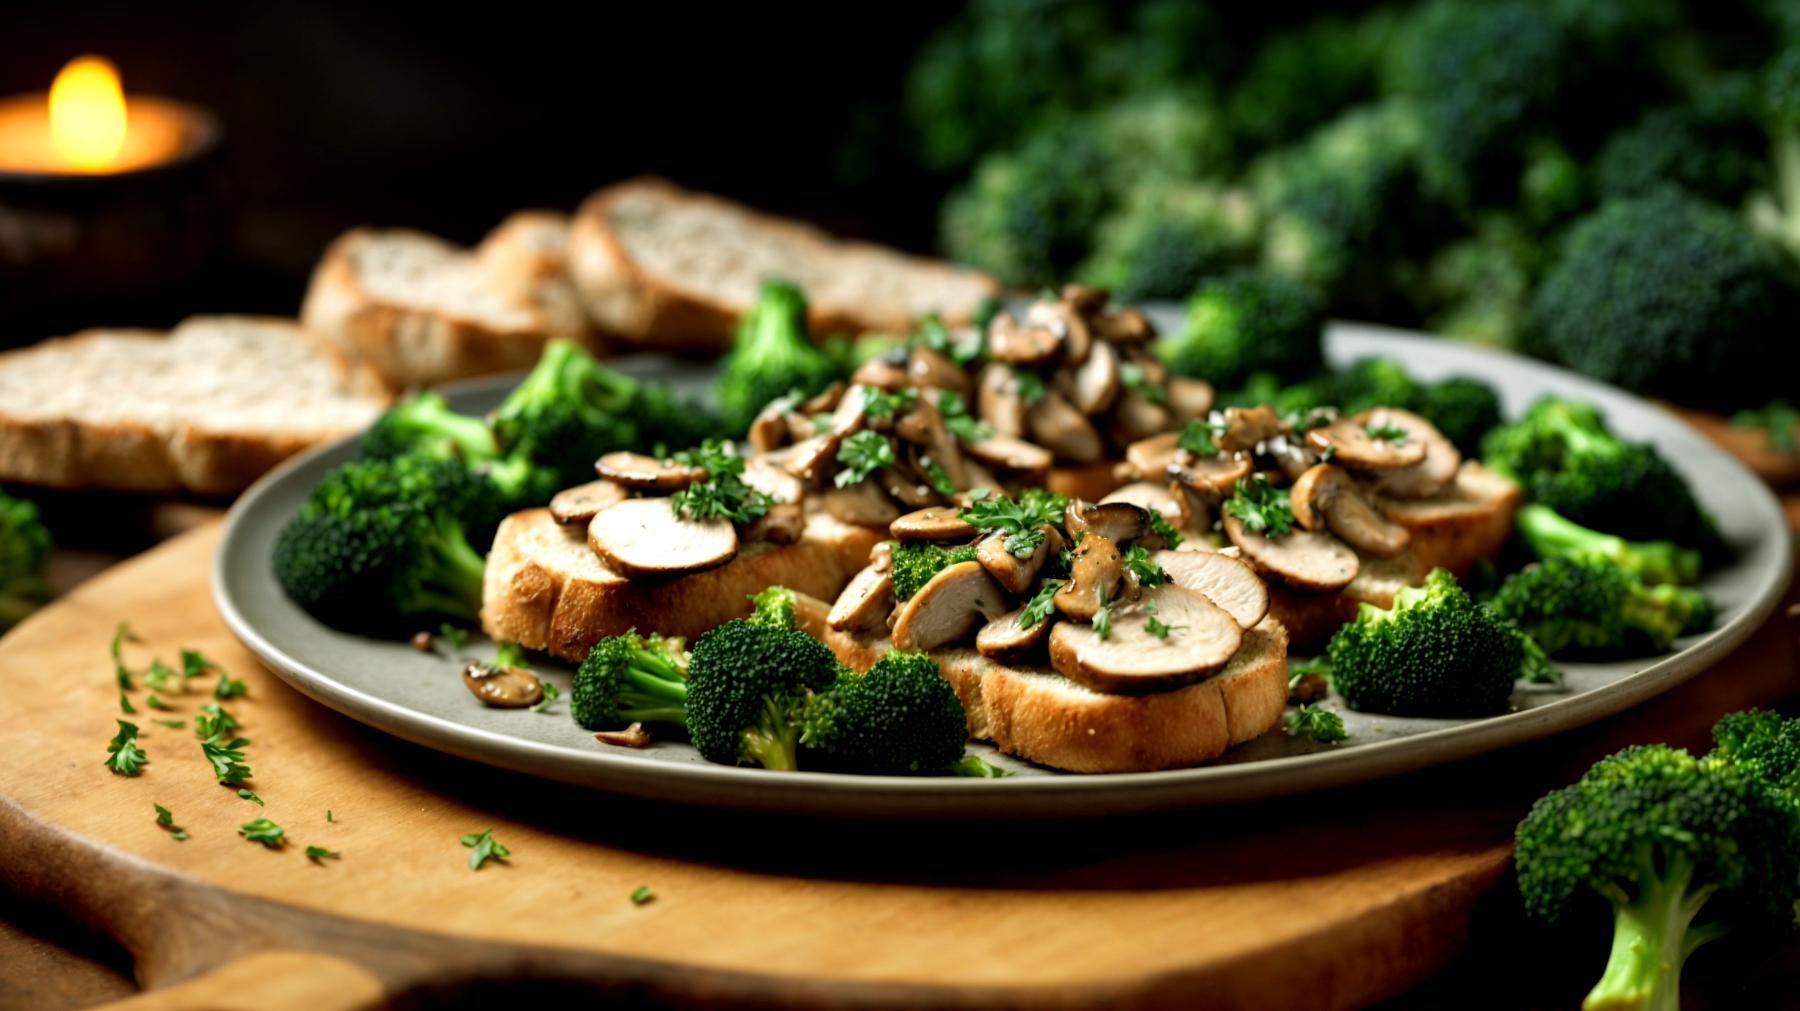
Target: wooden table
{"type": "Point", "coordinates": [1330, 900]}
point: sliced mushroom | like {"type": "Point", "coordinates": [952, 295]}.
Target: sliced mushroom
{"type": "Point", "coordinates": [886, 370]}
{"type": "Point", "coordinates": [1123, 326]}
{"type": "Point", "coordinates": [826, 402]}
{"type": "Point", "coordinates": [1211, 475]}
{"type": "Point", "coordinates": [502, 686]}
{"type": "Point", "coordinates": [862, 504]}
{"type": "Point", "coordinates": [1149, 495]}
{"type": "Point", "coordinates": [1150, 458]}
{"type": "Point", "coordinates": [979, 477]}
{"type": "Point", "coordinates": [1189, 398]}
{"type": "Point", "coordinates": [1347, 443]}
{"type": "Point", "coordinates": [772, 481]}
{"type": "Point", "coordinates": [905, 488]}
{"type": "Point", "coordinates": [998, 402]}
{"type": "Point", "coordinates": [1015, 344]}
{"type": "Point", "coordinates": [769, 431]}
{"type": "Point", "coordinates": [946, 608]}
{"type": "Point", "coordinates": [634, 736]}
{"type": "Point", "coordinates": [1292, 456]}
{"type": "Point", "coordinates": [934, 523]}
{"type": "Point", "coordinates": [1096, 381]}
{"type": "Point", "coordinates": [1245, 427]}
{"type": "Point", "coordinates": [1067, 324]}
{"type": "Point", "coordinates": [644, 537]}
{"type": "Point", "coordinates": [805, 459]}
{"type": "Point", "coordinates": [782, 524]}
{"type": "Point", "coordinates": [1306, 560]}
{"type": "Point", "coordinates": [1005, 640]}
{"type": "Point", "coordinates": [1326, 497]}
{"type": "Point", "coordinates": [865, 604]}
{"type": "Point", "coordinates": [1119, 522]}
{"type": "Point", "coordinates": [1055, 424]}
{"type": "Point", "coordinates": [1008, 569]}
{"type": "Point", "coordinates": [934, 369]}
{"type": "Point", "coordinates": [1094, 577]}
{"type": "Point", "coordinates": [1011, 453]}
{"type": "Point", "coordinates": [799, 426]}
{"type": "Point", "coordinates": [1430, 475]}
{"type": "Point", "coordinates": [923, 425]}
{"type": "Point", "coordinates": [1309, 688]}
{"type": "Point", "coordinates": [1228, 582]}
{"type": "Point", "coordinates": [1195, 509]}
{"type": "Point", "coordinates": [580, 503]}
{"type": "Point", "coordinates": [647, 473]}
{"type": "Point", "coordinates": [1134, 417]}
{"type": "Point", "coordinates": [1201, 637]}
{"type": "Point", "coordinates": [1086, 299]}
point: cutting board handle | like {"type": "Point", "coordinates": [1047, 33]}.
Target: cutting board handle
{"type": "Point", "coordinates": [268, 981]}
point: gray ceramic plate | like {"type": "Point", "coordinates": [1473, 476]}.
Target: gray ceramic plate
{"type": "Point", "coordinates": [420, 697]}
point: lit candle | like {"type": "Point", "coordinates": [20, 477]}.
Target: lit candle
{"type": "Point", "coordinates": [87, 125]}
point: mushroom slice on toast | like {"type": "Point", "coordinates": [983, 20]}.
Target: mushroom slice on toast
{"type": "Point", "coordinates": [1055, 424]}
{"type": "Point", "coordinates": [1011, 453]}
{"type": "Point", "coordinates": [1425, 478]}
{"type": "Point", "coordinates": [1118, 522]}
{"type": "Point", "coordinates": [1095, 572]}
{"type": "Point", "coordinates": [783, 524]}
{"type": "Point", "coordinates": [644, 537]}
{"type": "Point", "coordinates": [1184, 639]}
{"type": "Point", "coordinates": [1016, 574]}
{"type": "Point", "coordinates": [1325, 497]}
{"type": "Point", "coordinates": [1226, 581]}
{"type": "Point", "coordinates": [1359, 447]}
{"type": "Point", "coordinates": [932, 523]}
{"type": "Point", "coordinates": [948, 606]}
{"type": "Point", "coordinates": [1309, 561]}
{"type": "Point", "coordinates": [866, 603]}
{"type": "Point", "coordinates": [1006, 640]}
{"type": "Point", "coordinates": [647, 473]}
{"type": "Point", "coordinates": [577, 505]}
{"type": "Point", "coordinates": [862, 504]}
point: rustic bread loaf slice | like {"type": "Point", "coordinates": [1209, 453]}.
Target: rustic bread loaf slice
{"type": "Point", "coordinates": [1038, 714]}
{"type": "Point", "coordinates": [659, 265]}
{"type": "Point", "coordinates": [206, 408]}
{"type": "Point", "coordinates": [546, 589]}
{"type": "Point", "coordinates": [422, 310]}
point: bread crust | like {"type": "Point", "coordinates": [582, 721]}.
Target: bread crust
{"type": "Point", "coordinates": [545, 589]}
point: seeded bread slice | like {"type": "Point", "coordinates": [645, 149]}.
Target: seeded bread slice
{"type": "Point", "coordinates": [659, 265]}
{"type": "Point", "coordinates": [422, 310]}
{"type": "Point", "coordinates": [547, 590]}
{"type": "Point", "coordinates": [206, 408]}
{"type": "Point", "coordinates": [1038, 714]}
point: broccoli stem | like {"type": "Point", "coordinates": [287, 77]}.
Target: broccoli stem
{"type": "Point", "coordinates": [1787, 180]}
{"type": "Point", "coordinates": [1550, 535]}
{"type": "Point", "coordinates": [774, 741]}
{"type": "Point", "coordinates": [1652, 937]}
{"type": "Point", "coordinates": [454, 574]}
{"type": "Point", "coordinates": [652, 690]}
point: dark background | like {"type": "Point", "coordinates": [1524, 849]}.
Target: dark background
{"type": "Point", "coordinates": [446, 119]}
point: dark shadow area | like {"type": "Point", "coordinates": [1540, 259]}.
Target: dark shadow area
{"type": "Point", "coordinates": [48, 963]}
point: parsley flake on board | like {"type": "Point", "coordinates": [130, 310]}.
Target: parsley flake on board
{"type": "Point", "coordinates": [160, 675]}
{"type": "Point", "coordinates": [156, 703]}
{"type": "Point", "coordinates": [124, 757]}
{"type": "Point", "coordinates": [641, 894]}
{"type": "Point", "coordinates": [171, 724]}
{"type": "Point", "coordinates": [194, 663]}
{"type": "Point", "coordinates": [227, 760]}
{"type": "Point", "coordinates": [250, 795]}
{"type": "Point", "coordinates": [1041, 605]}
{"type": "Point", "coordinates": [485, 848]}
{"type": "Point", "coordinates": [1261, 507]}
{"type": "Point", "coordinates": [166, 819]}
{"type": "Point", "coordinates": [862, 454]}
{"type": "Point", "coordinates": [264, 831]}
{"type": "Point", "coordinates": [723, 495]}
{"type": "Point", "coordinates": [122, 634]}
{"type": "Point", "coordinates": [1321, 725]}
{"type": "Point", "coordinates": [319, 854]}
{"type": "Point", "coordinates": [125, 705]}
{"type": "Point", "coordinates": [229, 687]}
{"type": "Point", "coordinates": [328, 814]}
{"type": "Point", "coordinates": [213, 722]}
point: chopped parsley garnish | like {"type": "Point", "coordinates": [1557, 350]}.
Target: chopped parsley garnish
{"type": "Point", "coordinates": [1030, 384]}
{"type": "Point", "coordinates": [1777, 419]}
{"type": "Point", "coordinates": [250, 795]}
{"type": "Point", "coordinates": [957, 419]}
{"type": "Point", "coordinates": [1132, 377]}
{"type": "Point", "coordinates": [1200, 437]}
{"type": "Point", "coordinates": [1321, 725]}
{"type": "Point", "coordinates": [961, 349]}
{"type": "Point", "coordinates": [1024, 543]}
{"type": "Point", "coordinates": [122, 634]}
{"type": "Point", "coordinates": [880, 403]}
{"type": "Point", "coordinates": [1018, 520]}
{"type": "Point", "coordinates": [1156, 627]}
{"type": "Point", "coordinates": [1388, 432]}
{"type": "Point", "coordinates": [328, 814]}
{"type": "Point", "coordinates": [939, 478]}
{"type": "Point", "coordinates": [125, 705]}
{"type": "Point", "coordinates": [319, 854]}
{"type": "Point", "coordinates": [166, 819]}
{"type": "Point", "coordinates": [863, 454]}
{"type": "Point", "coordinates": [1138, 561]}
{"type": "Point", "coordinates": [1166, 530]}
{"type": "Point", "coordinates": [156, 703]}
{"type": "Point", "coordinates": [509, 654]}
{"type": "Point", "coordinates": [551, 694]}
{"type": "Point", "coordinates": [123, 756]}
{"type": "Point", "coordinates": [1103, 619]}
{"type": "Point", "coordinates": [485, 848]}
{"type": "Point", "coordinates": [1329, 455]}
{"type": "Point", "coordinates": [1041, 605]}
{"type": "Point", "coordinates": [194, 664]}
{"type": "Point", "coordinates": [171, 724]}
{"type": "Point", "coordinates": [159, 676]}
{"type": "Point", "coordinates": [264, 831]}
{"type": "Point", "coordinates": [229, 687]}
{"type": "Point", "coordinates": [723, 495]}
{"type": "Point", "coordinates": [976, 767]}
{"type": "Point", "coordinates": [213, 722]}
{"type": "Point", "coordinates": [227, 760]}
{"type": "Point", "coordinates": [1261, 507]}
{"type": "Point", "coordinates": [641, 894]}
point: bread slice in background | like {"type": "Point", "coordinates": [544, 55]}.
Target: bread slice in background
{"type": "Point", "coordinates": [422, 310]}
{"type": "Point", "coordinates": [662, 266]}
{"type": "Point", "coordinates": [546, 589]}
{"type": "Point", "coordinates": [1037, 714]}
{"type": "Point", "coordinates": [206, 408]}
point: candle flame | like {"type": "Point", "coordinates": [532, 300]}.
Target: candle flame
{"type": "Point", "coordinates": [87, 112]}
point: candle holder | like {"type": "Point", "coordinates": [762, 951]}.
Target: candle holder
{"type": "Point", "coordinates": [81, 248]}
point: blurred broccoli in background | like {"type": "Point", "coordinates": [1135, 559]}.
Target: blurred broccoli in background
{"type": "Point", "coordinates": [1479, 287]}
{"type": "Point", "coordinates": [1301, 77]}
{"type": "Point", "coordinates": [1247, 321]}
{"type": "Point", "coordinates": [771, 357]}
{"type": "Point", "coordinates": [1167, 236]}
{"type": "Point", "coordinates": [24, 551]}
{"type": "Point", "coordinates": [1776, 216]}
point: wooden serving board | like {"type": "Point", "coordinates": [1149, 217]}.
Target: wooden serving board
{"type": "Point", "coordinates": [1327, 901]}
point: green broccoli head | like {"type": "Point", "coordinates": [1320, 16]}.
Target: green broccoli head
{"type": "Point", "coordinates": [1590, 604]}
{"type": "Point", "coordinates": [771, 357]}
{"type": "Point", "coordinates": [1663, 837]}
{"type": "Point", "coordinates": [915, 562]}
{"type": "Point", "coordinates": [1549, 534]}
{"type": "Point", "coordinates": [1667, 295]}
{"type": "Point", "coordinates": [1761, 744]}
{"type": "Point", "coordinates": [425, 423]}
{"type": "Point", "coordinates": [748, 683]}
{"type": "Point", "coordinates": [1680, 145]}
{"type": "Point", "coordinates": [24, 551]}
{"type": "Point", "coordinates": [1478, 287]}
{"type": "Point", "coordinates": [1244, 322]}
{"type": "Point", "coordinates": [900, 719]}
{"type": "Point", "coordinates": [378, 542]}
{"type": "Point", "coordinates": [1375, 382]}
{"type": "Point", "coordinates": [1436, 653]}
{"type": "Point", "coordinates": [1301, 77]}
{"type": "Point", "coordinates": [629, 679]}
{"type": "Point", "coordinates": [1166, 236]}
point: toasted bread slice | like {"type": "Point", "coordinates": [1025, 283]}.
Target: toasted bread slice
{"type": "Point", "coordinates": [659, 265]}
{"type": "Point", "coordinates": [1038, 714]}
{"type": "Point", "coordinates": [423, 310]}
{"type": "Point", "coordinates": [1453, 529]}
{"type": "Point", "coordinates": [545, 588]}
{"type": "Point", "coordinates": [206, 408]}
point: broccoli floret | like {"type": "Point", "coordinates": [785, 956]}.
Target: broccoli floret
{"type": "Point", "coordinates": [1551, 535]}
{"type": "Point", "coordinates": [629, 679]}
{"type": "Point", "coordinates": [915, 562]}
{"type": "Point", "coordinates": [1776, 216]}
{"type": "Point", "coordinates": [1761, 744]}
{"type": "Point", "coordinates": [1247, 321]}
{"type": "Point", "coordinates": [771, 357]}
{"type": "Point", "coordinates": [24, 551]}
{"type": "Point", "coordinates": [1462, 409]}
{"type": "Point", "coordinates": [1374, 382]}
{"type": "Point", "coordinates": [1436, 653]}
{"type": "Point", "coordinates": [571, 410]}
{"type": "Point", "coordinates": [1667, 295]}
{"type": "Point", "coordinates": [1166, 236]}
{"type": "Point", "coordinates": [900, 719]}
{"type": "Point", "coordinates": [424, 422]}
{"type": "Point", "coordinates": [1553, 187]}
{"type": "Point", "coordinates": [1561, 452]}
{"type": "Point", "coordinates": [748, 684]}
{"type": "Point", "coordinates": [381, 541]}
{"type": "Point", "coordinates": [1662, 836]}
{"type": "Point", "coordinates": [1679, 145]}
{"type": "Point", "coordinates": [1302, 76]}
{"type": "Point", "coordinates": [1591, 605]}
{"type": "Point", "coordinates": [1478, 287]}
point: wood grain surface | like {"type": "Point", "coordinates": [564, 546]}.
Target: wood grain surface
{"type": "Point", "coordinates": [1330, 901]}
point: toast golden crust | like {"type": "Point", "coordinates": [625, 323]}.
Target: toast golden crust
{"type": "Point", "coordinates": [545, 589]}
